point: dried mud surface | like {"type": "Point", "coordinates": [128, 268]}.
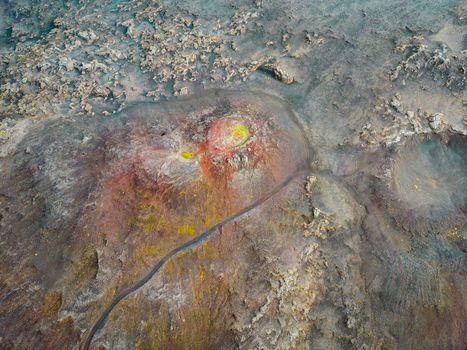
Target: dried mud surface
{"type": "Point", "coordinates": [304, 160]}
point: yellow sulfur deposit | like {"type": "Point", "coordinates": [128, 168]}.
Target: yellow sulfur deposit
{"type": "Point", "coordinates": [239, 133]}
{"type": "Point", "coordinates": [186, 155]}
{"type": "Point", "coordinates": [186, 230]}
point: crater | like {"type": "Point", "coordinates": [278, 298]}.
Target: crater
{"type": "Point", "coordinates": [428, 182]}
{"type": "Point", "coordinates": [137, 187]}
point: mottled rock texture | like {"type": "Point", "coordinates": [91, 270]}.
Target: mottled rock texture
{"type": "Point", "coordinates": [365, 249]}
{"type": "Point", "coordinates": [94, 204]}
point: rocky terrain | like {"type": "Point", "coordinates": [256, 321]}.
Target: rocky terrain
{"type": "Point", "coordinates": [232, 175]}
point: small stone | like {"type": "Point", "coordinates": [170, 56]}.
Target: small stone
{"type": "Point", "coordinates": [310, 182]}
{"type": "Point", "coordinates": [85, 139]}
{"type": "Point", "coordinates": [130, 28]}
{"type": "Point", "coordinates": [87, 107]}
{"type": "Point", "coordinates": [101, 91]}
{"type": "Point", "coordinates": [396, 104]}
{"type": "Point", "coordinates": [88, 35]}
{"type": "Point", "coordinates": [66, 63]}
{"type": "Point", "coordinates": [437, 122]}
{"type": "Point", "coordinates": [279, 73]}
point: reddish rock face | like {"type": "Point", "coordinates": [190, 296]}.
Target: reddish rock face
{"type": "Point", "coordinates": [112, 196]}
{"type": "Point", "coordinates": [213, 162]}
